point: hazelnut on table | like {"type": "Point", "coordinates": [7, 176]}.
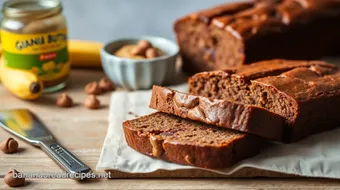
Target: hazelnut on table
{"type": "Point", "coordinates": [64, 100]}
{"type": "Point", "coordinates": [9, 145]}
{"type": "Point", "coordinates": [14, 181]}
{"type": "Point", "coordinates": [106, 85]}
{"type": "Point", "coordinates": [92, 102]}
{"type": "Point", "coordinates": [93, 88]}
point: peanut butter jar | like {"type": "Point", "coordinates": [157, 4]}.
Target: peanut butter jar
{"type": "Point", "coordinates": [34, 39]}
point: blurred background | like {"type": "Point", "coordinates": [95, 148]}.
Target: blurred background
{"type": "Point", "coordinates": [104, 20]}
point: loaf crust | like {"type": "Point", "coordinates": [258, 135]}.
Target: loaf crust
{"type": "Point", "coordinates": [160, 135]}
{"type": "Point", "coordinates": [232, 34]}
{"type": "Point", "coordinates": [222, 113]}
{"type": "Point", "coordinates": [306, 93]}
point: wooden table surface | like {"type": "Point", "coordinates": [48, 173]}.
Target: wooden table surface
{"type": "Point", "coordinates": [83, 131]}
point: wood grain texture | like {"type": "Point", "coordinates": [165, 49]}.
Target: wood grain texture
{"type": "Point", "coordinates": [83, 131]}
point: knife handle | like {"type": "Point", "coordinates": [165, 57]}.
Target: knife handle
{"type": "Point", "coordinates": [63, 157]}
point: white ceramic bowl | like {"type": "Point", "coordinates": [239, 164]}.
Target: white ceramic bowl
{"type": "Point", "coordinates": [135, 74]}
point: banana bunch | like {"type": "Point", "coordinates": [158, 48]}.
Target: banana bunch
{"type": "Point", "coordinates": [23, 84]}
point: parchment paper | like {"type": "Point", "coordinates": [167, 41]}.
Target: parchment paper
{"type": "Point", "coordinates": [315, 156]}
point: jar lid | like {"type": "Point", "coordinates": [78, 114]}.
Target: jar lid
{"type": "Point", "coordinates": [31, 8]}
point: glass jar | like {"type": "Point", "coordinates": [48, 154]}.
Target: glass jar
{"type": "Point", "coordinates": [34, 39]}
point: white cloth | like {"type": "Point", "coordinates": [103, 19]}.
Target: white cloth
{"type": "Point", "coordinates": [316, 156]}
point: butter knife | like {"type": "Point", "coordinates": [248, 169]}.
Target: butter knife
{"type": "Point", "coordinates": [26, 125]}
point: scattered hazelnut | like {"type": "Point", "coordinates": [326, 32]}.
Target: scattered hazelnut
{"type": "Point", "coordinates": [93, 88]}
{"type": "Point", "coordinates": [151, 53]}
{"type": "Point", "coordinates": [92, 102]}
{"type": "Point", "coordinates": [12, 179]}
{"type": "Point", "coordinates": [106, 85]}
{"type": "Point", "coordinates": [138, 51]}
{"type": "Point", "coordinates": [64, 100]}
{"type": "Point", "coordinates": [9, 145]}
{"type": "Point", "coordinates": [144, 44]}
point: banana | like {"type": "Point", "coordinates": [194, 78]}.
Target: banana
{"type": "Point", "coordinates": [23, 84]}
{"type": "Point", "coordinates": [85, 54]}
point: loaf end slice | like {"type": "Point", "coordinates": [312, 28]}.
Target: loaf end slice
{"type": "Point", "coordinates": [222, 113]}
{"type": "Point", "coordinates": [188, 142]}
{"type": "Point", "coordinates": [206, 48]}
{"type": "Point", "coordinates": [232, 34]}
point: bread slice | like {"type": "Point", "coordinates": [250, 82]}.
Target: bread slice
{"type": "Point", "coordinates": [188, 142]}
{"type": "Point", "coordinates": [306, 93]}
{"type": "Point", "coordinates": [221, 113]}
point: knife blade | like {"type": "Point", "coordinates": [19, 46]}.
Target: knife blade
{"type": "Point", "coordinates": [27, 126]}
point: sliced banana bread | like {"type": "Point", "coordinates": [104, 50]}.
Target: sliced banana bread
{"type": "Point", "coordinates": [188, 142]}
{"type": "Point", "coordinates": [306, 93]}
{"type": "Point", "coordinates": [221, 113]}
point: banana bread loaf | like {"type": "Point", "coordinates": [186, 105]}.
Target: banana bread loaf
{"type": "Point", "coordinates": [183, 141]}
{"type": "Point", "coordinates": [306, 93]}
{"type": "Point", "coordinates": [221, 113]}
{"type": "Point", "coordinates": [230, 35]}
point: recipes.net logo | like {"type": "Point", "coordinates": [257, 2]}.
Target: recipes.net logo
{"type": "Point", "coordinates": [62, 175]}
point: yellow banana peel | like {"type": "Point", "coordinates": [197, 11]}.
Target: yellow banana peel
{"type": "Point", "coordinates": [85, 54]}
{"type": "Point", "coordinates": [23, 84]}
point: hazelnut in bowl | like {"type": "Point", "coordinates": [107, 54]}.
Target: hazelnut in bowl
{"type": "Point", "coordinates": [139, 63]}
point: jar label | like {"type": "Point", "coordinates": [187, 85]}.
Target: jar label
{"type": "Point", "coordinates": [45, 54]}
